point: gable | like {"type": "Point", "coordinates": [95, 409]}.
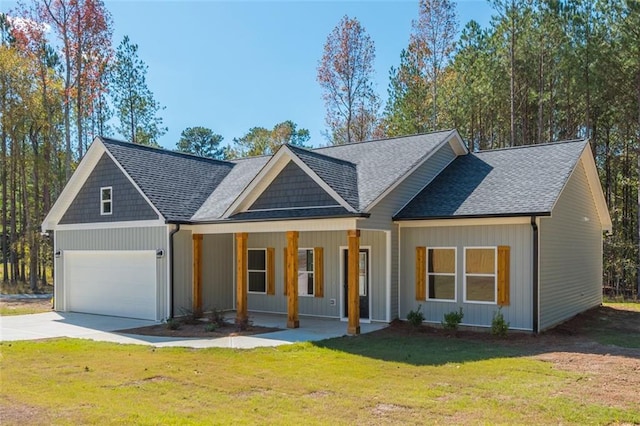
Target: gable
{"type": "Point", "coordinates": [128, 203]}
{"type": "Point", "coordinates": [292, 188]}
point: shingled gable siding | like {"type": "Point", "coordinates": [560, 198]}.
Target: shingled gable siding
{"type": "Point", "coordinates": [518, 237]}
{"type": "Point", "coordinates": [127, 203]}
{"type": "Point", "coordinates": [382, 213]}
{"type": "Point", "coordinates": [570, 254]}
{"type": "Point", "coordinates": [148, 238]}
{"type": "Point", "coordinates": [293, 188]}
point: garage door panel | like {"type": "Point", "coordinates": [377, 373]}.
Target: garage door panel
{"type": "Point", "coordinates": [118, 283]}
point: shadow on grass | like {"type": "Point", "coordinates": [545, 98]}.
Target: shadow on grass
{"type": "Point", "coordinates": [417, 348]}
{"type": "Point", "coordinates": [603, 331]}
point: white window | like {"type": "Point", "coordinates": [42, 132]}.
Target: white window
{"type": "Point", "coordinates": [305, 272]}
{"type": "Point", "coordinates": [257, 270]}
{"type": "Point", "coordinates": [106, 200]}
{"type": "Point", "coordinates": [441, 274]}
{"type": "Point", "coordinates": [480, 283]}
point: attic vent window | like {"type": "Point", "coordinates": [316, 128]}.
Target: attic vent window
{"type": "Point", "coordinates": [106, 200]}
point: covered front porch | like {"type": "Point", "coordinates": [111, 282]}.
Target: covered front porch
{"type": "Point", "coordinates": [301, 269]}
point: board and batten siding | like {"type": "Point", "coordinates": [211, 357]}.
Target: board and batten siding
{"type": "Point", "coordinates": [570, 254]}
{"type": "Point", "coordinates": [518, 237]}
{"type": "Point", "coordinates": [331, 304]}
{"type": "Point", "coordinates": [182, 272]}
{"type": "Point", "coordinates": [148, 238]}
{"type": "Point", "coordinates": [217, 272]}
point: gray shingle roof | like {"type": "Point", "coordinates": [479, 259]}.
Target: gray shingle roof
{"type": "Point", "coordinates": [176, 183]}
{"type": "Point", "coordinates": [243, 172]}
{"type": "Point", "coordinates": [507, 182]}
{"type": "Point", "coordinates": [359, 172]}
{"type": "Point", "coordinates": [340, 175]}
{"type": "Point", "coordinates": [381, 163]}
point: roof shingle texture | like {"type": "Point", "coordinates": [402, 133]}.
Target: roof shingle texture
{"type": "Point", "coordinates": [381, 163]}
{"type": "Point", "coordinates": [340, 175]}
{"type": "Point", "coordinates": [517, 181]}
{"type": "Point", "coordinates": [358, 172]}
{"type": "Point", "coordinates": [177, 184]}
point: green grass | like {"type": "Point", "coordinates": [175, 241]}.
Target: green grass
{"type": "Point", "coordinates": [380, 378]}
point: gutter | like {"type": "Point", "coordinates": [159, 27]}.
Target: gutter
{"type": "Point", "coordinates": [535, 276]}
{"type": "Point", "coordinates": [171, 278]}
{"type": "Point", "coordinates": [470, 216]}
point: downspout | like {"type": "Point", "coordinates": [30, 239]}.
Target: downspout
{"type": "Point", "coordinates": [171, 234]}
{"type": "Point", "coordinates": [535, 277]}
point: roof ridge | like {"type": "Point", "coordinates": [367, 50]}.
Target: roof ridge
{"type": "Point", "coordinates": [163, 151]}
{"type": "Point", "coordinates": [533, 145]}
{"type": "Point", "coordinates": [319, 155]}
{"type": "Point", "coordinates": [385, 139]}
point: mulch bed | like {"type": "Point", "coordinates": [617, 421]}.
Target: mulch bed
{"type": "Point", "coordinates": [198, 329]}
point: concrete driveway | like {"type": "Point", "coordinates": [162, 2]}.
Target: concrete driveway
{"type": "Point", "coordinates": [103, 328]}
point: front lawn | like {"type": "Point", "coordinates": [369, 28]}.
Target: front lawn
{"type": "Point", "coordinates": [383, 378]}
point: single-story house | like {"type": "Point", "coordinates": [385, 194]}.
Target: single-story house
{"type": "Point", "coordinates": [361, 233]}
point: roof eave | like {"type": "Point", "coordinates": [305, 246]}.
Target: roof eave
{"type": "Point", "coordinates": [277, 219]}
{"type": "Point", "coordinates": [472, 216]}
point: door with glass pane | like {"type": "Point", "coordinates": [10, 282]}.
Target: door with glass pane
{"type": "Point", "coordinates": [363, 281]}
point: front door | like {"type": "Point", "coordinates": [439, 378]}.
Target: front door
{"type": "Point", "coordinates": [363, 282]}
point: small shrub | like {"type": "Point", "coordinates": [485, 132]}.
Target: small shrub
{"type": "Point", "coordinates": [217, 317]}
{"type": "Point", "coordinates": [173, 324]}
{"type": "Point", "coordinates": [452, 320]}
{"type": "Point", "coordinates": [191, 316]}
{"type": "Point", "coordinates": [499, 326]}
{"type": "Point", "coordinates": [211, 327]}
{"type": "Point", "coordinates": [416, 317]}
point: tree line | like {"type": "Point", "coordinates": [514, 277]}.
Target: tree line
{"type": "Point", "coordinates": [542, 71]}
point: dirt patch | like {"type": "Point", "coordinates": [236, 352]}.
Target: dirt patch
{"type": "Point", "coordinates": [199, 329]}
{"type": "Point", "coordinates": [16, 413]}
{"type": "Point", "coordinates": [607, 371]}
{"type": "Point", "coordinates": [26, 305]}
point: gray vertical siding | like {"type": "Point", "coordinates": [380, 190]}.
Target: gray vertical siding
{"type": "Point", "coordinates": [217, 272]}
{"type": "Point", "coordinates": [151, 238]}
{"type": "Point", "coordinates": [382, 213]}
{"type": "Point", "coordinates": [395, 259]}
{"type": "Point", "coordinates": [182, 272]}
{"type": "Point", "coordinates": [331, 242]}
{"type": "Point", "coordinates": [518, 237]}
{"type": "Point", "coordinates": [570, 254]}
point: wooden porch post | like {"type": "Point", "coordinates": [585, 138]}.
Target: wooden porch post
{"type": "Point", "coordinates": [292, 280]}
{"type": "Point", "coordinates": [353, 281]}
{"type": "Point", "coordinates": [241, 277]}
{"type": "Point", "coordinates": [197, 273]}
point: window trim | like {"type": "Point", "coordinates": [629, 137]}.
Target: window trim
{"type": "Point", "coordinates": [494, 275]}
{"type": "Point", "coordinates": [454, 274]}
{"type": "Point", "coordinates": [264, 271]}
{"type": "Point", "coordinates": [313, 253]}
{"type": "Point", "coordinates": [104, 202]}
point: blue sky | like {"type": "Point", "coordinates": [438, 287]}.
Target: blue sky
{"type": "Point", "coordinates": [234, 65]}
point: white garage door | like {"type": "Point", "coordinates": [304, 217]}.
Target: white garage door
{"type": "Point", "coordinates": [117, 283]}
